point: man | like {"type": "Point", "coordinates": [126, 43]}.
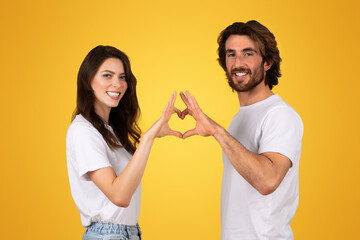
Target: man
{"type": "Point", "coordinates": [261, 148]}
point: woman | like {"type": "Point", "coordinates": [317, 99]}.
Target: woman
{"type": "Point", "coordinates": [105, 157]}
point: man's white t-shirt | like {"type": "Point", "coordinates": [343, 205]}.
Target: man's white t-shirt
{"type": "Point", "coordinates": [86, 150]}
{"type": "Point", "coordinates": [270, 125]}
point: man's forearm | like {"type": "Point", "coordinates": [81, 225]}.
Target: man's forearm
{"type": "Point", "coordinates": [256, 169]}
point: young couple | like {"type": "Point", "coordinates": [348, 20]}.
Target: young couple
{"type": "Point", "coordinates": [106, 159]}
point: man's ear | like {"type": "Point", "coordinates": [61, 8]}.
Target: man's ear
{"type": "Point", "coordinates": [267, 65]}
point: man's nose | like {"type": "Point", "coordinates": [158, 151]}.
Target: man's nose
{"type": "Point", "coordinates": [238, 61]}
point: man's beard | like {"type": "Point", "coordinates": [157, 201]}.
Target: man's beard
{"type": "Point", "coordinates": [256, 78]}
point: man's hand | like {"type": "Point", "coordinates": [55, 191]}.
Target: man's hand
{"type": "Point", "coordinates": [204, 125]}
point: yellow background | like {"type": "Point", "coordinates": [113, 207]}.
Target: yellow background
{"type": "Point", "coordinates": [172, 46]}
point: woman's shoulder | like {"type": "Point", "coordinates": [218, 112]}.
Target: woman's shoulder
{"type": "Point", "coordinates": [80, 126]}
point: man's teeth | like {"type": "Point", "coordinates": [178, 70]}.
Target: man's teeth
{"type": "Point", "coordinates": [113, 94]}
{"type": "Point", "coordinates": [240, 74]}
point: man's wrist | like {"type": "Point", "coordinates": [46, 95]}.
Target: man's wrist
{"type": "Point", "coordinates": [219, 132]}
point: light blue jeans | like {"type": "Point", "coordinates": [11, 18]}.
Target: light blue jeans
{"type": "Point", "coordinates": [111, 231]}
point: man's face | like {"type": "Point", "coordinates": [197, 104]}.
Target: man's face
{"type": "Point", "coordinates": [244, 64]}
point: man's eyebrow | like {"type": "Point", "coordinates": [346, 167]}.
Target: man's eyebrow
{"type": "Point", "coordinates": [243, 50]}
{"type": "Point", "coordinates": [249, 50]}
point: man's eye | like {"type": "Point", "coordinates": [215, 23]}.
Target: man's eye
{"type": "Point", "coordinates": [231, 55]}
{"type": "Point", "coordinates": [248, 54]}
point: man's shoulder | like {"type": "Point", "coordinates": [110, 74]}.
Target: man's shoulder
{"type": "Point", "coordinates": [277, 104]}
{"type": "Point", "coordinates": [280, 113]}
{"type": "Point", "coordinates": [277, 101]}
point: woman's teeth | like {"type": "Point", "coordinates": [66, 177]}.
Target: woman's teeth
{"type": "Point", "coordinates": [113, 94]}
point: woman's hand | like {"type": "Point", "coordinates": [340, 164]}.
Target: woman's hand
{"type": "Point", "coordinates": [161, 127]}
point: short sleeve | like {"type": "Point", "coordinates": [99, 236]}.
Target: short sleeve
{"type": "Point", "coordinates": [282, 132]}
{"type": "Point", "coordinates": [87, 148]}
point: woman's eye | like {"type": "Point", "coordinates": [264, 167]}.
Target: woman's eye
{"type": "Point", "coordinates": [122, 77]}
{"type": "Point", "coordinates": [107, 75]}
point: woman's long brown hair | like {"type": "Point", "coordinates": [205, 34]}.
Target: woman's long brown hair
{"type": "Point", "coordinates": [123, 118]}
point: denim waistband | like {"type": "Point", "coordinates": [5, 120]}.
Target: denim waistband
{"type": "Point", "coordinates": [113, 228]}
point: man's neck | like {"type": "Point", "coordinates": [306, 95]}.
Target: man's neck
{"type": "Point", "coordinates": [259, 93]}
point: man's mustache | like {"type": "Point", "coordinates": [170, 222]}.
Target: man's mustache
{"type": "Point", "coordinates": [241, 69]}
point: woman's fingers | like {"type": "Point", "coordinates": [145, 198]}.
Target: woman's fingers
{"type": "Point", "coordinates": [169, 108]}
{"type": "Point", "coordinates": [173, 98]}
{"type": "Point", "coordinates": [175, 133]}
{"type": "Point", "coordinates": [184, 113]}
{"type": "Point", "coordinates": [178, 112]}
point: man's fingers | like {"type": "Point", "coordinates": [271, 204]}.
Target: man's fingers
{"type": "Point", "coordinates": [190, 100]}
{"type": "Point", "coordinates": [196, 105]}
{"type": "Point", "coordinates": [190, 133]}
{"type": "Point", "coordinates": [185, 100]}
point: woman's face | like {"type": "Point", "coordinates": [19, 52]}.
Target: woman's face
{"type": "Point", "coordinates": [109, 86]}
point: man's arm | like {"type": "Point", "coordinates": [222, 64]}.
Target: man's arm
{"type": "Point", "coordinates": [263, 171]}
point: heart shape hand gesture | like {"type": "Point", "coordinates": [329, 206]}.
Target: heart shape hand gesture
{"type": "Point", "coordinates": [204, 125]}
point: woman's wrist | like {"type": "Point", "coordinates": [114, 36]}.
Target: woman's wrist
{"type": "Point", "coordinates": [148, 136]}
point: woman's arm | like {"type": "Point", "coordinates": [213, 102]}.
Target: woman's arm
{"type": "Point", "coordinates": [120, 189]}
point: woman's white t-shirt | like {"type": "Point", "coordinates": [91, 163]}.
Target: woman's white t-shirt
{"type": "Point", "coordinates": [86, 150]}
